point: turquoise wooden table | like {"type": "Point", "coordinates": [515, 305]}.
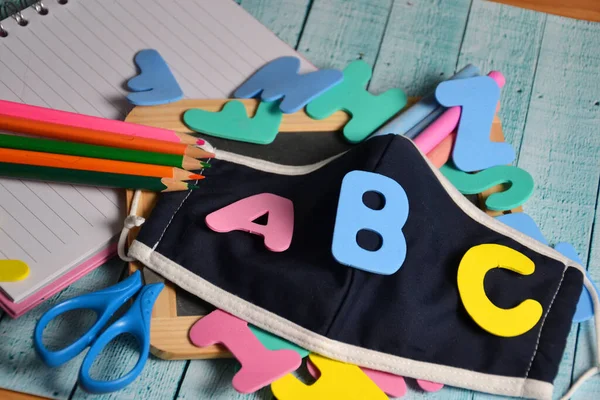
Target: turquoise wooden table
{"type": "Point", "coordinates": [550, 113]}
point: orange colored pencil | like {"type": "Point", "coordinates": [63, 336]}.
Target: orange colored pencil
{"type": "Point", "coordinates": [90, 136]}
{"type": "Point", "coordinates": [39, 159]}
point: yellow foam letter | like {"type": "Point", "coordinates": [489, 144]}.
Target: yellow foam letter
{"type": "Point", "coordinates": [471, 273]}
{"type": "Point", "coordinates": [338, 381]}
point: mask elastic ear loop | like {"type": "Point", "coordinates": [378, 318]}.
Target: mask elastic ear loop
{"type": "Point", "coordinates": [131, 222]}
{"type": "Point", "coordinates": [596, 369]}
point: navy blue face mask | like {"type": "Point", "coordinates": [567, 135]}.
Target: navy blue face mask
{"type": "Point", "coordinates": [410, 323]}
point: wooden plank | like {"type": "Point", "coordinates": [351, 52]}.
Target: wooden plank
{"type": "Point", "coordinates": [421, 45]}
{"type": "Point", "coordinates": [284, 17]}
{"type": "Point", "coordinates": [338, 32]}
{"type": "Point", "coordinates": [211, 379]}
{"type": "Point", "coordinates": [494, 39]}
{"type": "Point", "coordinates": [560, 150]}
{"type": "Point", "coordinates": [159, 380]}
{"type": "Point", "coordinates": [581, 9]}
{"type": "Point", "coordinates": [586, 348]}
{"type": "Point", "coordinates": [22, 370]}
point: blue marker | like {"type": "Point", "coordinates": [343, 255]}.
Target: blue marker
{"type": "Point", "coordinates": [421, 110]}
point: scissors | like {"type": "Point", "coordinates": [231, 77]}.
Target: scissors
{"type": "Point", "coordinates": [105, 303]}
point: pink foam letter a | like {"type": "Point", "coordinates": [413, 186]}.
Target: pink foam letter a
{"type": "Point", "coordinates": [238, 216]}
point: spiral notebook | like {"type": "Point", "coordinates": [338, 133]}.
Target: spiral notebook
{"type": "Point", "coordinates": [76, 56]}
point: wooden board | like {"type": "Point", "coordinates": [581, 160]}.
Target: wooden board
{"type": "Point", "coordinates": [169, 331]}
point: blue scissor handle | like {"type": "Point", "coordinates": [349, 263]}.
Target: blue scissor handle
{"type": "Point", "coordinates": [103, 302]}
{"type": "Point", "coordinates": [135, 321]}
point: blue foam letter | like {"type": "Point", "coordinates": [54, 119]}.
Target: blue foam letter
{"type": "Point", "coordinates": [280, 78]}
{"type": "Point", "coordinates": [478, 96]}
{"type": "Point", "coordinates": [155, 84]}
{"type": "Point", "coordinates": [353, 215]}
{"type": "Point", "coordinates": [585, 307]}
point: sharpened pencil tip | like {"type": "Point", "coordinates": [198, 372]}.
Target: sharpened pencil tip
{"type": "Point", "coordinates": [200, 142]}
{"type": "Point", "coordinates": [205, 164]}
{"type": "Point", "coordinates": [197, 176]}
{"type": "Point", "coordinates": [193, 187]}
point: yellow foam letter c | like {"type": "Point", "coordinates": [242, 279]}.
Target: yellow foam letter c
{"type": "Point", "coordinates": [471, 273]}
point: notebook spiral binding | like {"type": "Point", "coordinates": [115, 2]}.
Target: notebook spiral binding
{"type": "Point", "coordinates": [13, 8]}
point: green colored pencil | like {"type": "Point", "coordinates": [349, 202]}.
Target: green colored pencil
{"type": "Point", "coordinates": [92, 178]}
{"type": "Point", "coordinates": [104, 152]}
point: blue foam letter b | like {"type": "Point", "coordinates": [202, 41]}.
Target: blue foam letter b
{"type": "Point", "coordinates": [353, 216]}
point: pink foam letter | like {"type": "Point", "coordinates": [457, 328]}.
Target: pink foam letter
{"type": "Point", "coordinates": [429, 386]}
{"type": "Point", "coordinates": [260, 366]}
{"type": "Point", "coordinates": [238, 216]}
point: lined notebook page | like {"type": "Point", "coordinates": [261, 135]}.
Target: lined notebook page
{"type": "Point", "coordinates": [78, 58]}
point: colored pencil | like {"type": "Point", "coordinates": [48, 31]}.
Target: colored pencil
{"type": "Point", "coordinates": [90, 150]}
{"type": "Point", "coordinates": [93, 164]}
{"type": "Point", "coordinates": [90, 136]}
{"type": "Point", "coordinates": [93, 178]}
{"type": "Point", "coordinates": [19, 110]}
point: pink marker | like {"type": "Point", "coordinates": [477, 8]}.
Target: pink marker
{"type": "Point", "coordinates": [431, 136]}
{"type": "Point", "coordinates": [260, 366]}
{"type": "Point", "coordinates": [48, 115]}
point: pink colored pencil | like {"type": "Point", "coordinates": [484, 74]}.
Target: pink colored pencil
{"type": "Point", "coordinates": [20, 110]}
{"type": "Point", "coordinates": [446, 123]}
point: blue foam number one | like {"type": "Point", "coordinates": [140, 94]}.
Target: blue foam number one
{"type": "Point", "coordinates": [525, 224]}
{"type": "Point", "coordinates": [353, 216]}
{"type": "Point", "coordinates": [280, 78]}
{"type": "Point", "coordinates": [155, 84]}
{"type": "Point", "coordinates": [585, 306]}
{"type": "Point", "coordinates": [477, 97]}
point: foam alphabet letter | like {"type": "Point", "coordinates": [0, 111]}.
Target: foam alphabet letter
{"type": "Point", "coordinates": [353, 216]}
{"type": "Point", "coordinates": [13, 270]}
{"type": "Point", "coordinates": [238, 216]}
{"type": "Point", "coordinates": [585, 306]}
{"type": "Point", "coordinates": [338, 380]}
{"type": "Point", "coordinates": [155, 84]}
{"type": "Point", "coordinates": [473, 267]}
{"type": "Point", "coordinates": [367, 110]}
{"type": "Point", "coordinates": [390, 384]}
{"type": "Point", "coordinates": [524, 224]}
{"type": "Point", "coordinates": [521, 184]}
{"type": "Point", "coordinates": [429, 386]}
{"type": "Point", "coordinates": [260, 366]}
{"type": "Point", "coordinates": [273, 342]}
{"type": "Point", "coordinates": [233, 123]}
{"type": "Point", "coordinates": [478, 96]}
{"type": "Point", "coordinates": [280, 78]}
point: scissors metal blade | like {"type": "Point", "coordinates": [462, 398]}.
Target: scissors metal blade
{"type": "Point", "coordinates": [151, 276]}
